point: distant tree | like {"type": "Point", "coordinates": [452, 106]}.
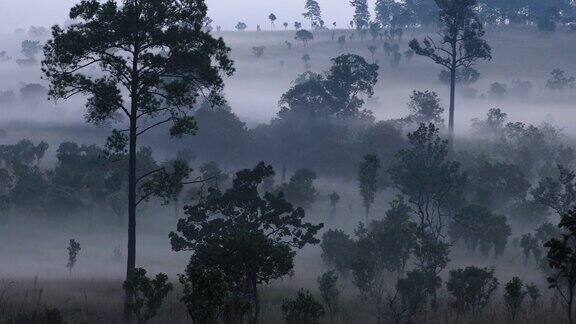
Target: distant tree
{"type": "Point", "coordinates": [425, 107]}
{"type": "Point", "coordinates": [250, 238]}
{"type": "Point", "coordinates": [471, 288]}
{"type": "Point", "coordinates": [300, 189]}
{"type": "Point", "coordinates": [258, 51]}
{"type": "Point", "coordinates": [31, 48]}
{"type": "Point", "coordinates": [533, 293]}
{"type": "Point", "coordinates": [432, 184]}
{"type": "Point", "coordinates": [272, 18]}
{"type": "Point", "coordinates": [396, 58]}
{"type": "Point", "coordinates": [297, 25]}
{"type": "Point", "coordinates": [285, 24]}
{"type": "Point", "coordinates": [558, 194]}
{"type": "Point", "coordinates": [73, 250]}
{"type": "Point", "coordinates": [361, 15]}
{"type": "Point", "coordinates": [337, 250]}
{"type": "Point", "coordinates": [240, 26]}
{"type": "Point", "coordinates": [561, 259]}
{"type": "Point", "coordinates": [148, 294]}
{"type": "Point", "coordinates": [497, 91]}
{"type": "Point", "coordinates": [462, 43]}
{"type": "Point", "coordinates": [338, 93]}
{"type": "Point", "coordinates": [304, 36]}
{"type": "Point", "coordinates": [530, 245]}
{"type": "Point", "coordinates": [303, 309]}
{"type": "Point", "coordinates": [334, 198]}
{"type": "Point", "coordinates": [306, 60]}
{"type": "Point", "coordinates": [342, 40]}
{"type": "Point", "coordinates": [479, 228]}
{"type": "Point", "coordinates": [374, 28]}
{"type": "Point", "coordinates": [156, 74]}
{"type": "Point", "coordinates": [385, 11]}
{"type": "Point", "coordinates": [313, 12]}
{"type": "Point", "coordinates": [514, 296]}
{"type": "Point", "coordinates": [372, 49]}
{"type": "Point", "coordinates": [212, 172]}
{"type": "Point", "coordinates": [329, 291]}
{"type": "Point", "coordinates": [368, 180]}
{"type": "Point", "coordinates": [558, 81]}
{"type": "Point", "coordinates": [408, 55]}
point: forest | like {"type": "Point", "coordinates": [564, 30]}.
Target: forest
{"type": "Point", "coordinates": [415, 165]}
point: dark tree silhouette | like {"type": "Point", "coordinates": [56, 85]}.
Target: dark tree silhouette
{"type": "Point", "coordinates": [313, 12]}
{"type": "Point", "coordinates": [73, 250]}
{"type": "Point", "coordinates": [461, 45]}
{"type": "Point", "coordinates": [471, 288]}
{"type": "Point", "coordinates": [155, 60]}
{"type": "Point", "coordinates": [249, 238]}
{"type": "Point", "coordinates": [304, 36]}
{"type": "Point", "coordinates": [368, 180]}
{"type": "Point", "coordinates": [562, 262]}
{"type": "Point", "coordinates": [514, 296]}
{"type": "Point", "coordinates": [361, 16]}
{"type": "Point", "coordinates": [148, 294]}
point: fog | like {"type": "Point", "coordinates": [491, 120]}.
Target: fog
{"type": "Point", "coordinates": [508, 168]}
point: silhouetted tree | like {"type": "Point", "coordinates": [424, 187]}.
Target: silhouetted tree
{"type": "Point", "coordinates": [303, 309]}
{"type": "Point", "coordinates": [329, 292]}
{"type": "Point", "coordinates": [272, 18]}
{"type": "Point", "coordinates": [334, 198]}
{"type": "Point", "coordinates": [304, 36]}
{"type": "Point", "coordinates": [361, 16]}
{"type": "Point", "coordinates": [248, 237]}
{"type": "Point", "coordinates": [240, 26]}
{"type": "Point", "coordinates": [148, 294]}
{"type": "Point", "coordinates": [155, 60]}
{"type": "Point", "coordinates": [514, 296]}
{"type": "Point", "coordinates": [368, 180]}
{"type": "Point", "coordinates": [471, 288]}
{"type": "Point", "coordinates": [313, 12]}
{"type": "Point", "coordinates": [73, 250]}
{"type": "Point", "coordinates": [462, 44]}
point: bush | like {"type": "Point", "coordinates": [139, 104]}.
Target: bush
{"type": "Point", "coordinates": [303, 310]}
{"type": "Point", "coordinates": [471, 288]}
{"type": "Point", "coordinates": [148, 294]}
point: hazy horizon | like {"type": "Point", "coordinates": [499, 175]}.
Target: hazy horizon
{"type": "Point", "coordinates": [225, 13]}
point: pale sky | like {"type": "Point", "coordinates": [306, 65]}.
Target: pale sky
{"type": "Point", "coordinates": [23, 13]}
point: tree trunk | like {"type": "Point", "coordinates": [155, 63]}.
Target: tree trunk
{"type": "Point", "coordinates": [452, 103]}
{"type": "Point", "coordinates": [256, 302]}
{"type": "Point", "coordinates": [131, 261]}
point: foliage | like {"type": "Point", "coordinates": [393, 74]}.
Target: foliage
{"type": "Point", "coordinates": [329, 292]}
{"type": "Point", "coordinates": [304, 36]}
{"type": "Point", "coordinates": [557, 194]}
{"type": "Point", "coordinates": [337, 250]}
{"type": "Point", "coordinates": [368, 180]}
{"type": "Point", "coordinates": [425, 107]}
{"type": "Point", "coordinates": [471, 288]}
{"type": "Point", "coordinates": [478, 227]}
{"type": "Point", "coordinates": [204, 293]}
{"type": "Point", "coordinates": [300, 189]}
{"type": "Point", "coordinates": [304, 309]}
{"type": "Point", "coordinates": [558, 81]}
{"type": "Point", "coordinates": [561, 259]}
{"type": "Point", "coordinates": [73, 250]}
{"type": "Point", "coordinates": [432, 184]}
{"type": "Point", "coordinates": [148, 294]}
{"type": "Point", "coordinates": [514, 296]}
{"type": "Point", "coordinates": [248, 237]}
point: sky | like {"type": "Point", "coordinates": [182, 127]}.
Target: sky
{"type": "Point", "coordinates": [226, 13]}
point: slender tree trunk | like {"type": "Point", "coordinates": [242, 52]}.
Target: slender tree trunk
{"type": "Point", "coordinates": [452, 98]}
{"type": "Point", "coordinates": [256, 302]}
{"type": "Point", "coordinates": [131, 261]}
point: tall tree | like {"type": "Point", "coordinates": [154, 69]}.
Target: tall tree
{"type": "Point", "coordinates": [361, 15]}
{"type": "Point", "coordinates": [368, 180]}
{"type": "Point", "coordinates": [461, 45]}
{"type": "Point", "coordinates": [154, 61]}
{"type": "Point", "coordinates": [313, 12]}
